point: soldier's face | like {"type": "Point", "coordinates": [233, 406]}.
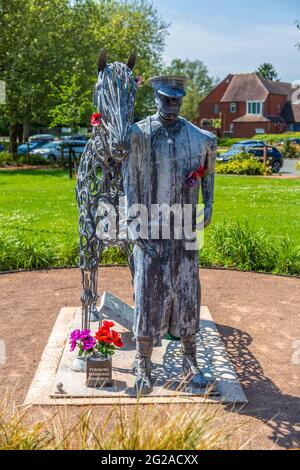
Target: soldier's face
{"type": "Point", "coordinates": [168, 107]}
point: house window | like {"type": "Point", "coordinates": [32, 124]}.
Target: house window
{"type": "Point", "coordinates": [216, 109]}
{"type": "Point", "coordinates": [254, 107]}
{"type": "Point", "coordinates": [233, 107]}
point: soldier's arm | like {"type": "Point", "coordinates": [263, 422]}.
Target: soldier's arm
{"type": "Point", "coordinates": [207, 186]}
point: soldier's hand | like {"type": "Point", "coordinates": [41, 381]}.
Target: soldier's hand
{"type": "Point", "coordinates": [207, 215]}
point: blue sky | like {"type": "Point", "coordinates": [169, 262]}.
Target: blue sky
{"type": "Point", "coordinates": [234, 36]}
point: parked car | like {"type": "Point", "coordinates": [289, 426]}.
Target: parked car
{"type": "Point", "coordinates": [251, 143]}
{"type": "Point", "coordinates": [274, 157]}
{"type": "Point", "coordinates": [1, 148]}
{"type": "Point", "coordinates": [41, 137]}
{"type": "Point", "coordinates": [239, 147]}
{"type": "Point", "coordinates": [53, 150]}
{"type": "Point", "coordinates": [23, 148]}
{"type": "Point", "coordinates": [294, 141]}
{"type": "Point", "coordinates": [256, 148]}
{"type": "Point", "coordinates": [76, 138]}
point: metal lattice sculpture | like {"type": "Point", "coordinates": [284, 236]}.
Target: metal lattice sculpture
{"type": "Point", "coordinates": [99, 173]}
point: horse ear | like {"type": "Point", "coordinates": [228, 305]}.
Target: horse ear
{"type": "Point", "coordinates": [102, 60]}
{"type": "Point", "coordinates": [131, 60]}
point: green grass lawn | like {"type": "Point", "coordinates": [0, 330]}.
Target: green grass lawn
{"type": "Point", "coordinates": [39, 204]}
{"type": "Point", "coordinates": [271, 204]}
{"type": "Point", "coordinates": [38, 209]}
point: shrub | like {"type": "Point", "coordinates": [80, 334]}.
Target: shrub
{"type": "Point", "coordinates": [6, 159]}
{"type": "Point", "coordinates": [34, 159]}
{"type": "Point", "coordinates": [290, 150]}
{"type": "Point", "coordinates": [243, 164]}
{"type": "Point", "coordinates": [232, 244]}
{"type": "Point", "coordinates": [19, 252]}
{"type": "Point", "coordinates": [22, 253]}
{"type": "Point", "coordinates": [276, 138]}
{"type": "Point", "coordinates": [227, 142]}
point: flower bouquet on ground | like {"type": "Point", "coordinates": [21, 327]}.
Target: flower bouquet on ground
{"type": "Point", "coordinates": [95, 352]}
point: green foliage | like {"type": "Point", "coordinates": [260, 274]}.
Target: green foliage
{"type": "Point", "coordinates": [268, 71]}
{"type": "Point", "coordinates": [290, 150]}
{"type": "Point", "coordinates": [4, 124]}
{"type": "Point", "coordinates": [242, 246]}
{"type": "Point", "coordinates": [231, 244]}
{"type": "Point", "coordinates": [49, 51]}
{"type": "Point", "coordinates": [6, 159]}
{"type": "Point", "coordinates": [217, 123]}
{"type": "Point", "coordinates": [35, 47]}
{"type": "Point", "coordinates": [34, 159]}
{"type": "Point", "coordinates": [243, 164]}
{"type": "Point", "coordinates": [198, 86]}
{"type": "Point", "coordinates": [74, 103]}
{"type": "Point", "coordinates": [276, 138]}
{"type": "Point", "coordinates": [227, 142]}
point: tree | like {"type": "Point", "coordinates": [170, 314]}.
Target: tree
{"type": "Point", "coordinates": [268, 71]}
{"type": "Point", "coordinates": [74, 104]}
{"type": "Point", "coordinates": [121, 27]}
{"type": "Point", "coordinates": [49, 45]}
{"type": "Point", "coordinates": [33, 47]}
{"type": "Point", "coordinates": [198, 86]}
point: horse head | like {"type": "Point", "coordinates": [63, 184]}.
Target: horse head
{"type": "Point", "coordinates": [114, 97]}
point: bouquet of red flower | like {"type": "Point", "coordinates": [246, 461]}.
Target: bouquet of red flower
{"type": "Point", "coordinates": [104, 341]}
{"type": "Point", "coordinates": [107, 339]}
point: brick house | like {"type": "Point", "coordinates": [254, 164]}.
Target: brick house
{"type": "Point", "coordinates": [248, 104]}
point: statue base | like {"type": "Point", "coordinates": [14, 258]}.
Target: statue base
{"type": "Point", "coordinates": [55, 382]}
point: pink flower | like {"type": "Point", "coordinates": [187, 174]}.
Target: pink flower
{"type": "Point", "coordinates": [139, 80]}
{"type": "Point", "coordinates": [83, 338]}
{"type": "Point", "coordinates": [88, 343]}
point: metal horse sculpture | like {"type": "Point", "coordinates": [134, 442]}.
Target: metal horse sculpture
{"type": "Point", "coordinates": [99, 173]}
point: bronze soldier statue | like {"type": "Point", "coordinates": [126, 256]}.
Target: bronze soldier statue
{"type": "Point", "coordinates": [166, 150]}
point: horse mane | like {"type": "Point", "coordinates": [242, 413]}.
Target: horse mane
{"type": "Point", "coordinates": [114, 97]}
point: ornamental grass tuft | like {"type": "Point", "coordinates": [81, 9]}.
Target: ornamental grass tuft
{"type": "Point", "coordinates": [135, 427]}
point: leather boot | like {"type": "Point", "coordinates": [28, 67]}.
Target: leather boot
{"type": "Point", "coordinates": [190, 365]}
{"type": "Point", "coordinates": [143, 384]}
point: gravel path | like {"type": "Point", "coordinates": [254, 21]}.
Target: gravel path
{"type": "Point", "coordinates": [258, 316]}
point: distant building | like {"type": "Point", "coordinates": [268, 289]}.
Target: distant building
{"type": "Point", "coordinates": [248, 104]}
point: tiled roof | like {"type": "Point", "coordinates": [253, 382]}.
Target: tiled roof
{"type": "Point", "coordinates": [291, 112]}
{"type": "Point", "coordinates": [250, 86]}
{"type": "Point", "coordinates": [252, 118]}
{"type": "Point", "coordinates": [278, 88]}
